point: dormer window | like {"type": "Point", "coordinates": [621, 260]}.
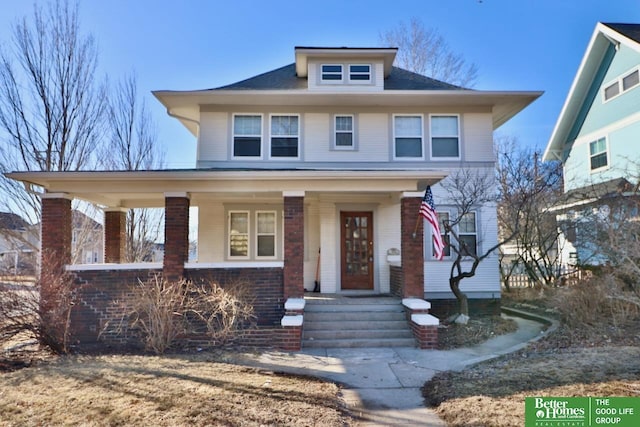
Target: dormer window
{"type": "Point", "coordinates": [331, 72]}
{"type": "Point", "coordinates": [360, 73]}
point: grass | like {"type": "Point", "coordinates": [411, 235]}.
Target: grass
{"type": "Point", "coordinates": [163, 391]}
{"type": "Point", "coordinates": [602, 360]}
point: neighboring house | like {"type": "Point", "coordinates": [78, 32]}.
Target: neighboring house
{"type": "Point", "coordinates": [18, 245]}
{"type": "Point", "coordinates": [313, 172]}
{"type": "Point", "coordinates": [596, 137]}
{"type": "Point", "coordinates": [87, 240]}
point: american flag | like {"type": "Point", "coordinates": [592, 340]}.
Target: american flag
{"type": "Point", "coordinates": [428, 211]}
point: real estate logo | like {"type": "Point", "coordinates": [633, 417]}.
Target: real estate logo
{"type": "Point", "coordinates": [582, 411]}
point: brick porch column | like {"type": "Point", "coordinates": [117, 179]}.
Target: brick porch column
{"type": "Point", "coordinates": [115, 227]}
{"type": "Point", "coordinates": [56, 230]}
{"type": "Point", "coordinates": [176, 235]}
{"type": "Point", "coordinates": [293, 244]}
{"type": "Point", "coordinates": [412, 248]}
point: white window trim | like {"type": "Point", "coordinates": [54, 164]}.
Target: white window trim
{"type": "Point", "coordinates": [606, 150]}
{"type": "Point", "coordinates": [334, 133]}
{"type": "Point", "coordinates": [327, 81]}
{"type": "Point", "coordinates": [286, 159]}
{"type": "Point", "coordinates": [236, 257]}
{"type": "Point", "coordinates": [233, 136]}
{"type": "Point", "coordinates": [393, 127]}
{"type": "Point", "coordinates": [475, 221]}
{"type": "Point", "coordinates": [431, 136]}
{"type": "Point", "coordinates": [360, 82]}
{"type": "Point", "coordinates": [618, 81]}
{"type": "Point", "coordinates": [274, 234]}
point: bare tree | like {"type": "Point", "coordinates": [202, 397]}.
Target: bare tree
{"type": "Point", "coordinates": [51, 106]}
{"type": "Point", "coordinates": [424, 51]}
{"type": "Point", "coordinates": [133, 146]}
{"type": "Point", "coordinates": [534, 250]}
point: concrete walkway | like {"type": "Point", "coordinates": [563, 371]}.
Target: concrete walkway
{"type": "Point", "coordinates": [382, 385]}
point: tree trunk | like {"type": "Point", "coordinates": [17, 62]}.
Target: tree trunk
{"type": "Point", "coordinates": [454, 284]}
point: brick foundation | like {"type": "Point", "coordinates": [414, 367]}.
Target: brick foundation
{"type": "Point", "coordinates": [103, 293]}
{"type": "Point", "coordinates": [426, 336]}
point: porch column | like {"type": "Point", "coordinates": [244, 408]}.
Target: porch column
{"type": "Point", "coordinates": [176, 235]}
{"type": "Point", "coordinates": [293, 244]}
{"type": "Point", "coordinates": [412, 247]}
{"type": "Point", "coordinates": [115, 227]}
{"type": "Point", "coordinates": [55, 234]}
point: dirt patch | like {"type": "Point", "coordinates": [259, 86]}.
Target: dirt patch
{"type": "Point", "coordinates": [163, 391]}
{"type": "Point", "coordinates": [477, 330]}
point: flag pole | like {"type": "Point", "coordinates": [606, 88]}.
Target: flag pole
{"type": "Point", "coordinates": [415, 229]}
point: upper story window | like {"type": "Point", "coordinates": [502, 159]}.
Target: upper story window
{"type": "Point", "coordinates": [621, 84]}
{"type": "Point", "coordinates": [445, 137]}
{"type": "Point", "coordinates": [360, 73]}
{"type": "Point", "coordinates": [343, 125]}
{"type": "Point", "coordinates": [285, 131]}
{"type": "Point", "coordinates": [331, 72]}
{"type": "Point", "coordinates": [407, 134]}
{"type": "Point", "coordinates": [598, 154]}
{"type": "Point", "coordinates": [247, 135]}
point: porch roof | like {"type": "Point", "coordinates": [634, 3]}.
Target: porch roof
{"type": "Point", "coordinates": [133, 189]}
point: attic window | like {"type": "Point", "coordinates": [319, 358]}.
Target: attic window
{"type": "Point", "coordinates": [611, 91]}
{"type": "Point", "coordinates": [360, 73]}
{"type": "Point", "coordinates": [621, 84]}
{"type": "Point", "coordinates": [630, 80]}
{"type": "Point", "coordinates": [331, 72]}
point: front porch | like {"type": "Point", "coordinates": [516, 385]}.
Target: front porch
{"type": "Point", "coordinates": [271, 233]}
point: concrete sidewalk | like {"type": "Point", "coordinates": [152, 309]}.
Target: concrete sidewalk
{"type": "Point", "coordinates": [382, 385]}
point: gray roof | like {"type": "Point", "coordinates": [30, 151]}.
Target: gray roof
{"type": "Point", "coordinates": [11, 221]}
{"type": "Point", "coordinates": [631, 31]}
{"type": "Point", "coordinates": [285, 78]}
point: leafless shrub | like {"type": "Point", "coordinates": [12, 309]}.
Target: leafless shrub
{"type": "Point", "coordinates": [40, 312]}
{"type": "Point", "coordinates": [162, 312]}
{"type": "Point", "coordinates": [599, 299]}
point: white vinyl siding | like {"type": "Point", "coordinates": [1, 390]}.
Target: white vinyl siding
{"type": "Point", "coordinates": [408, 138]}
{"type": "Point", "coordinates": [212, 136]}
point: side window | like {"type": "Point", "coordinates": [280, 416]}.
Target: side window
{"type": "Point", "coordinates": [284, 136]}
{"type": "Point", "coordinates": [238, 234]}
{"type": "Point", "coordinates": [265, 234]}
{"type": "Point", "coordinates": [467, 231]}
{"type": "Point", "coordinates": [407, 135]}
{"type": "Point", "coordinates": [343, 128]}
{"type": "Point", "coordinates": [598, 154]}
{"type": "Point", "coordinates": [247, 135]}
{"type": "Point", "coordinates": [445, 137]}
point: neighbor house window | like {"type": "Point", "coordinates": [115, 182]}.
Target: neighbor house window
{"type": "Point", "coordinates": [284, 136]}
{"type": "Point", "coordinates": [331, 72]}
{"type": "Point", "coordinates": [598, 153]}
{"type": "Point", "coordinates": [343, 132]}
{"type": "Point", "coordinates": [467, 232]}
{"type": "Point", "coordinates": [265, 234]}
{"type": "Point", "coordinates": [443, 218]}
{"type": "Point", "coordinates": [239, 234]}
{"type": "Point", "coordinates": [623, 83]}
{"type": "Point", "coordinates": [360, 73]}
{"type": "Point", "coordinates": [247, 135]}
{"type": "Point", "coordinates": [407, 133]}
{"type": "Point", "coordinates": [445, 137]}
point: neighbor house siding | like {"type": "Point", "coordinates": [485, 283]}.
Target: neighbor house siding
{"type": "Point", "coordinates": [214, 137]}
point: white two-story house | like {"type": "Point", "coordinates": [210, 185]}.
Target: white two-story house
{"type": "Point", "coordinates": [313, 174]}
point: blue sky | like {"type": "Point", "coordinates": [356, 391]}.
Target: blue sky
{"type": "Point", "coordinates": [197, 44]}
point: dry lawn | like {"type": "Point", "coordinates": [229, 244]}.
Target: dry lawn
{"type": "Point", "coordinates": [587, 361]}
{"type": "Point", "coordinates": [163, 391]}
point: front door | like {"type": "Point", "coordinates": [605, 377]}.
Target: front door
{"type": "Point", "coordinates": [357, 250]}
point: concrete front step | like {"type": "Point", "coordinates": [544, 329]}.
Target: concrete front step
{"type": "Point", "coordinates": [355, 322]}
{"type": "Point", "coordinates": [359, 343]}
